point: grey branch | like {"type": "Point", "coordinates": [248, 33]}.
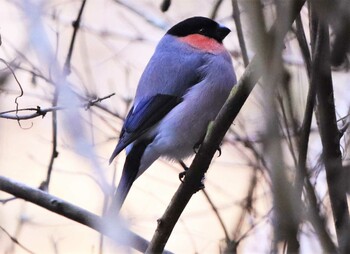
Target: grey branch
{"type": "Point", "coordinates": [215, 134]}
{"type": "Point", "coordinates": [38, 111]}
{"type": "Point", "coordinates": [52, 203]}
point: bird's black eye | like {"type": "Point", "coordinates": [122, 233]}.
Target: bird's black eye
{"type": "Point", "coordinates": [200, 31]}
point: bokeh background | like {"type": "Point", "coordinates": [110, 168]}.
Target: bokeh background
{"type": "Point", "coordinates": [114, 43]}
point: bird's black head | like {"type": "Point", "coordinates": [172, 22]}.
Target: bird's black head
{"type": "Point", "coordinates": [200, 25]}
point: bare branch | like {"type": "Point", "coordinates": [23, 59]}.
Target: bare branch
{"type": "Point", "coordinates": [215, 9]}
{"type": "Point", "coordinates": [303, 44]}
{"type": "Point", "coordinates": [17, 81]}
{"type": "Point", "coordinates": [13, 239]}
{"type": "Point", "coordinates": [42, 112]}
{"type": "Point", "coordinates": [150, 18]}
{"type": "Point", "coordinates": [66, 71]}
{"type": "Point", "coordinates": [216, 212]}
{"type": "Point", "coordinates": [236, 17]}
{"type": "Point", "coordinates": [76, 25]}
{"type": "Point", "coordinates": [54, 204]}
{"type": "Point", "coordinates": [208, 148]}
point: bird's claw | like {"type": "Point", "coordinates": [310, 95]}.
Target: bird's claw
{"type": "Point", "coordinates": [219, 150]}
{"type": "Point", "coordinates": [196, 147]}
{"type": "Point", "coordinates": [200, 186]}
{"type": "Point", "coordinates": [182, 176]}
{"type": "Point", "coordinates": [183, 173]}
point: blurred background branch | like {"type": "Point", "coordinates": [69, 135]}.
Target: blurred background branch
{"type": "Point", "coordinates": [116, 232]}
{"type": "Point", "coordinates": [281, 182]}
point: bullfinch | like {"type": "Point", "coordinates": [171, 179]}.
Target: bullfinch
{"type": "Point", "coordinates": [182, 89]}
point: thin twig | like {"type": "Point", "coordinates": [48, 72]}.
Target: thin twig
{"type": "Point", "coordinates": [54, 153]}
{"type": "Point", "coordinates": [303, 141]}
{"type": "Point", "coordinates": [285, 120]}
{"type": "Point", "coordinates": [97, 100]}
{"type": "Point", "coordinates": [247, 205]}
{"type": "Point", "coordinates": [42, 112]}
{"type": "Point", "coordinates": [18, 83]}
{"type": "Point", "coordinates": [4, 201]}
{"type": "Point", "coordinates": [150, 18]}
{"type": "Point", "coordinates": [300, 34]}
{"type": "Point", "coordinates": [316, 219]}
{"type": "Point", "coordinates": [76, 25]}
{"type": "Point", "coordinates": [216, 212]}
{"type": "Point", "coordinates": [13, 239]}
{"type": "Point", "coordinates": [215, 9]}
{"type": "Point", "coordinates": [236, 17]}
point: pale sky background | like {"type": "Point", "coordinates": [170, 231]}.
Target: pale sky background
{"type": "Point", "coordinates": [112, 48]}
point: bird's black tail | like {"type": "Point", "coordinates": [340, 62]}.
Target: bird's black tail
{"type": "Point", "coordinates": [130, 172]}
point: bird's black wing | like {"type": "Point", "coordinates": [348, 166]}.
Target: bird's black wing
{"type": "Point", "coordinates": [147, 113]}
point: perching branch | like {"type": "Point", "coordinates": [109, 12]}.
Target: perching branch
{"type": "Point", "coordinates": [208, 148]}
{"type": "Point", "coordinates": [203, 158]}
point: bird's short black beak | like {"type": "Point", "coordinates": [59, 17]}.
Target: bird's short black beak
{"type": "Point", "coordinates": [222, 32]}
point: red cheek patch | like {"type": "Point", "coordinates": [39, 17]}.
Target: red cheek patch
{"type": "Point", "coordinates": [202, 42]}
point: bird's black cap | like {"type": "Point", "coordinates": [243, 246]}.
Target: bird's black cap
{"type": "Point", "coordinates": [200, 25]}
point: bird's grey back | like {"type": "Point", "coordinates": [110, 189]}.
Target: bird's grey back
{"type": "Point", "coordinates": [170, 70]}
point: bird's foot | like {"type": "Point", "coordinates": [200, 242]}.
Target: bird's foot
{"type": "Point", "coordinates": [219, 150]}
{"type": "Point", "coordinates": [196, 147]}
{"type": "Point", "coordinates": [201, 186]}
{"type": "Point", "coordinates": [183, 174]}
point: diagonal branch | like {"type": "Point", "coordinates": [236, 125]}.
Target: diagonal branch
{"type": "Point", "coordinates": [203, 158]}
{"type": "Point", "coordinates": [54, 204]}
{"type": "Point", "coordinates": [14, 239]}
{"type": "Point", "coordinates": [149, 17]}
{"type": "Point", "coordinates": [76, 25]}
{"type": "Point", "coordinates": [209, 146]}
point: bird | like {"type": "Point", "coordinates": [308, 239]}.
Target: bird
{"type": "Point", "coordinates": [182, 89]}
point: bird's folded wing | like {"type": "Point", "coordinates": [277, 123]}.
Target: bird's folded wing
{"type": "Point", "coordinates": [147, 113]}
